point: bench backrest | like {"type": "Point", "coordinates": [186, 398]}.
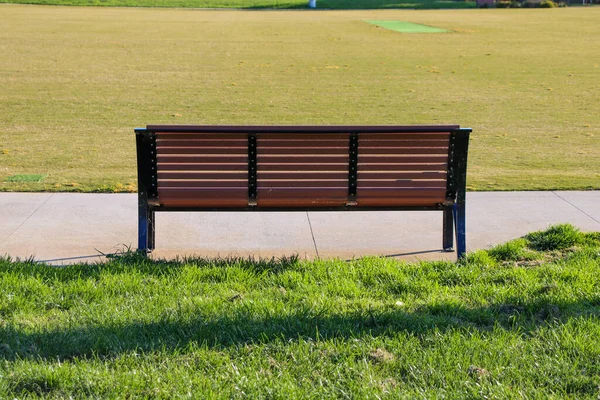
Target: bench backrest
{"type": "Point", "coordinates": [297, 167]}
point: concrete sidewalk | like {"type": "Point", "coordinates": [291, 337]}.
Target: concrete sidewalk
{"type": "Point", "coordinates": [72, 227]}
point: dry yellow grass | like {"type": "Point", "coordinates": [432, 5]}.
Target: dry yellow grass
{"type": "Point", "coordinates": [76, 81]}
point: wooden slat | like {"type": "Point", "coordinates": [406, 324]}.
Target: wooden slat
{"type": "Point", "coordinates": [370, 175]}
{"type": "Point", "coordinates": [200, 136]}
{"type": "Point", "coordinates": [300, 158]}
{"type": "Point", "coordinates": [400, 197]}
{"type": "Point", "coordinates": [404, 136]}
{"type": "Point", "coordinates": [401, 158]}
{"type": "Point", "coordinates": [202, 142]}
{"type": "Point", "coordinates": [294, 175]}
{"type": "Point", "coordinates": [198, 183]}
{"type": "Point", "coordinates": [265, 137]}
{"type": "Point", "coordinates": [214, 175]}
{"type": "Point", "coordinates": [302, 129]}
{"type": "Point", "coordinates": [203, 167]}
{"type": "Point", "coordinates": [401, 183]}
{"type": "Point", "coordinates": [366, 142]}
{"type": "Point", "coordinates": [304, 151]}
{"type": "Point", "coordinates": [289, 197]}
{"type": "Point", "coordinates": [292, 141]}
{"type": "Point", "coordinates": [362, 167]}
{"type": "Point", "coordinates": [202, 150]}
{"type": "Point", "coordinates": [203, 197]}
{"type": "Point", "coordinates": [402, 150]}
{"type": "Point", "coordinates": [306, 184]}
{"type": "Point", "coordinates": [220, 159]}
{"type": "Point", "coordinates": [338, 166]}
{"type": "Point", "coordinates": [438, 193]}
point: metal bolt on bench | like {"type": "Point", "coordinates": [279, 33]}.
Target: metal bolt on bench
{"type": "Point", "coordinates": [303, 168]}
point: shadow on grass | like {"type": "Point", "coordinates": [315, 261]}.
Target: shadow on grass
{"type": "Point", "coordinates": [245, 327]}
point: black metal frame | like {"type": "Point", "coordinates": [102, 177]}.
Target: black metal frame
{"type": "Point", "coordinates": [454, 217]}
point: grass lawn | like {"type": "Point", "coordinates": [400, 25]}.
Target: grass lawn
{"type": "Point", "coordinates": [521, 320]}
{"type": "Point", "coordinates": [260, 4]}
{"type": "Point", "coordinates": [76, 81]}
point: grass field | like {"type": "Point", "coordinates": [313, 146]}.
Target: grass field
{"type": "Point", "coordinates": [76, 81]}
{"type": "Point", "coordinates": [521, 320]}
{"type": "Point", "coordinates": [260, 4]}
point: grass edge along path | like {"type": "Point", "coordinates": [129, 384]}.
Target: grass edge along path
{"type": "Point", "coordinates": [519, 320]}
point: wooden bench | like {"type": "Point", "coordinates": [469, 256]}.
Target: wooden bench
{"type": "Point", "coordinates": [301, 168]}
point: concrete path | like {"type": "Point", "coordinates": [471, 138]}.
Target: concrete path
{"type": "Point", "coordinates": [70, 227]}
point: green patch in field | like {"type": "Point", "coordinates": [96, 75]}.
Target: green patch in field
{"type": "Point", "coordinates": [406, 27]}
{"type": "Point", "coordinates": [26, 178]}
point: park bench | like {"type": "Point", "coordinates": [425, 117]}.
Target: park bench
{"type": "Point", "coordinates": [302, 168]}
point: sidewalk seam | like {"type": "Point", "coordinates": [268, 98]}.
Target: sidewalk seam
{"type": "Point", "coordinates": [27, 219]}
{"type": "Point", "coordinates": [312, 234]}
{"type": "Point", "coordinates": [567, 201]}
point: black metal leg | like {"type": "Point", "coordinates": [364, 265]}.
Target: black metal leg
{"type": "Point", "coordinates": [143, 225]}
{"type": "Point", "coordinates": [151, 235]}
{"type": "Point", "coordinates": [461, 228]}
{"type": "Point", "coordinates": [448, 239]}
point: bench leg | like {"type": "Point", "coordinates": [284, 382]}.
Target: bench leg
{"type": "Point", "coordinates": [448, 229]}
{"type": "Point", "coordinates": [151, 235]}
{"type": "Point", "coordinates": [461, 229]}
{"type": "Point", "coordinates": [143, 227]}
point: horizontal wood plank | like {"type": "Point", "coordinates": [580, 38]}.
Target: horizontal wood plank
{"type": "Point", "coordinates": [277, 137]}
{"type": "Point", "coordinates": [402, 151]}
{"type": "Point", "coordinates": [202, 166]}
{"type": "Point", "coordinates": [199, 150]}
{"type": "Point", "coordinates": [288, 197]}
{"type": "Point", "coordinates": [402, 159]}
{"type": "Point", "coordinates": [200, 136]}
{"type": "Point", "coordinates": [405, 136]}
{"type": "Point", "coordinates": [202, 183]}
{"type": "Point", "coordinates": [195, 159]}
{"type": "Point", "coordinates": [213, 175]}
{"type": "Point", "coordinates": [203, 197]}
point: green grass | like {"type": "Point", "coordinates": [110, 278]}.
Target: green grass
{"type": "Point", "coordinates": [496, 325]}
{"type": "Point", "coordinates": [76, 81]}
{"type": "Point", "coordinates": [260, 4]}
{"type": "Point", "coordinates": [406, 27]}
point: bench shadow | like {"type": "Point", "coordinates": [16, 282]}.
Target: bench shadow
{"type": "Point", "coordinates": [246, 327]}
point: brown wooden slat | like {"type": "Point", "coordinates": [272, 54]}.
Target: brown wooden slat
{"type": "Point", "coordinates": [202, 150]}
{"type": "Point", "coordinates": [306, 184]}
{"type": "Point", "coordinates": [203, 197]}
{"type": "Point", "coordinates": [300, 158]}
{"type": "Point", "coordinates": [400, 197]}
{"type": "Point", "coordinates": [202, 143]}
{"type": "Point", "coordinates": [203, 167]}
{"type": "Point", "coordinates": [302, 129]}
{"type": "Point", "coordinates": [400, 158]}
{"type": "Point", "coordinates": [292, 141]}
{"type": "Point", "coordinates": [200, 136]}
{"type": "Point", "coordinates": [204, 183]}
{"type": "Point", "coordinates": [220, 159]}
{"type": "Point", "coordinates": [362, 167]}
{"type": "Point", "coordinates": [404, 136]}
{"type": "Point", "coordinates": [214, 175]}
{"type": "Point", "coordinates": [293, 175]}
{"type": "Point", "coordinates": [366, 142]}
{"type": "Point", "coordinates": [289, 197]}
{"type": "Point", "coordinates": [265, 137]}
{"type": "Point", "coordinates": [401, 183]}
{"type": "Point", "coordinates": [305, 151]}
{"type": "Point", "coordinates": [398, 202]}
{"type": "Point", "coordinates": [370, 175]}
{"type": "Point", "coordinates": [332, 167]}
{"type": "Point", "coordinates": [402, 150]}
